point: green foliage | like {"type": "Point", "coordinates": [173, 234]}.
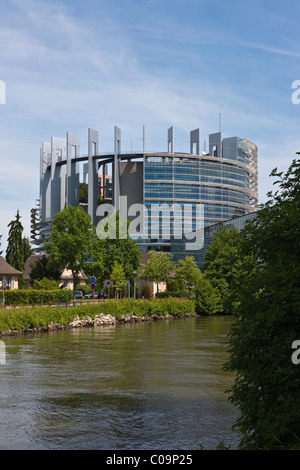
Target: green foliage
{"type": "Point", "coordinates": [173, 285]}
{"type": "Point", "coordinates": [70, 239]}
{"type": "Point", "coordinates": [113, 245]}
{"type": "Point", "coordinates": [46, 284]}
{"type": "Point", "coordinates": [158, 267]}
{"type": "Point", "coordinates": [35, 317]}
{"type": "Point", "coordinates": [146, 292]}
{"type": "Point", "coordinates": [207, 298]}
{"type": "Point", "coordinates": [15, 245]}
{"type": "Point", "coordinates": [187, 272]}
{"type": "Point", "coordinates": [224, 265]}
{"type": "Point", "coordinates": [24, 318]}
{"type": "Point", "coordinates": [83, 194]}
{"type": "Point", "coordinates": [266, 388]}
{"type": "Point", "coordinates": [167, 293]}
{"type": "Point", "coordinates": [27, 249]}
{"type": "Point", "coordinates": [118, 277]}
{"type": "Point", "coordinates": [36, 296]}
{"type": "Point", "coordinates": [44, 267]}
{"type": "Point", "coordinates": [85, 288]}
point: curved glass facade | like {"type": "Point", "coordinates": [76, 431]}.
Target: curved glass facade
{"type": "Point", "coordinates": [180, 249]}
{"type": "Point", "coordinates": [225, 188]}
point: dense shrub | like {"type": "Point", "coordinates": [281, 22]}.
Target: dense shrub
{"type": "Point", "coordinates": [267, 322]}
{"type": "Point", "coordinates": [169, 306]}
{"type": "Point", "coordinates": [207, 298]}
{"type": "Point", "coordinates": [36, 296]}
{"type": "Point", "coordinates": [166, 294]}
{"type": "Point", "coordinates": [45, 284]}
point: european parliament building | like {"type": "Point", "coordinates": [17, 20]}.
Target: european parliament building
{"type": "Point", "coordinates": [179, 192]}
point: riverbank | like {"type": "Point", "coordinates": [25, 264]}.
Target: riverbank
{"type": "Point", "coordinates": [45, 318]}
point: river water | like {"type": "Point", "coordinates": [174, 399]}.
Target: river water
{"type": "Point", "coordinates": [142, 386]}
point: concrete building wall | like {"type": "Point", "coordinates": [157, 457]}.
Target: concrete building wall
{"type": "Point", "coordinates": [58, 154]}
{"type": "Point", "coordinates": [131, 182]}
{"type": "Point", "coordinates": [73, 151]}
{"type": "Point", "coordinates": [93, 143]}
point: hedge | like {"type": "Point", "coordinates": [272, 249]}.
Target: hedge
{"type": "Point", "coordinates": [36, 296]}
{"type": "Point", "coordinates": [166, 294]}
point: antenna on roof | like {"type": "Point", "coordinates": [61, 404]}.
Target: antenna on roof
{"type": "Point", "coordinates": [220, 124]}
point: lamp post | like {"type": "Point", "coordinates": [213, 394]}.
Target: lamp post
{"type": "Point", "coordinates": [108, 289]}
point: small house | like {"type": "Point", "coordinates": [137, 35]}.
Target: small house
{"type": "Point", "coordinates": [66, 278]}
{"type": "Point", "coordinates": [9, 276]}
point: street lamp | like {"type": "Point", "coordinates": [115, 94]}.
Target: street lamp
{"type": "Point", "coordinates": [108, 289]}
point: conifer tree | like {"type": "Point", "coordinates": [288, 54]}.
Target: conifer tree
{"type": "Point", "coordinates": [15, 245]}
{"type": "Point", "coordinates": [27, 250]}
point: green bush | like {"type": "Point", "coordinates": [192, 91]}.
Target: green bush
{"type": "Point", "coordinates": [167, 293]}
{"type": "Point", "coordinates": [45, 284]}
{"type": "Point", "coordinates": [36, 296]}
{"type": "Point", "coordinates": [85, 288]}
{"type": "Point", "coordinates": [207, 298]}
{"type": "Point", "coordinates": [267, 322]}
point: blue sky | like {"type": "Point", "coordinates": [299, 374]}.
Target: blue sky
{"type": "Point", "coordinates": [70, 65]}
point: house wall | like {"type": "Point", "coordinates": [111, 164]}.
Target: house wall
{"type": "Point", "coordinates": [162, 287]}
{"type": "Point", "coordinates": [67, 278]}
{"type": "Point", "coordinates": [12, 282]}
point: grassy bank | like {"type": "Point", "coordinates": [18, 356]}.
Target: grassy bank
{"type": "Point", "coordinates": [40, 317]}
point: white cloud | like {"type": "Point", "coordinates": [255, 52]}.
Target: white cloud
{"type": "Point", "coordinates": [66, 74]}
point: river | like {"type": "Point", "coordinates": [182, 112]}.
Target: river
{"type": "Point", "coordinates": [142, 386]}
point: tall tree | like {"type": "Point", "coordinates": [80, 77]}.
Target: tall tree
{"type": "Point", "coordinates": [207, 298]}
{"type": "Point", "coordinates": [118, 277]}
{"type": "Point", "coordinates": [27, 249]}
{"type": "Point", "coordinates": [113, 245]}
{"type": "Point", "coordinates": [0, 244]}
{"type": "Point", "coordinates": [15, 245]}
{"type": "Point", "coordinates": [70, 240]}
{"type": "Point", "coordinates": [187, 272]}
{"type": "Point", "coordinates": [158, 267]}
{"type": "Point", "coordinates": [223, 265]}
{"type": "Point", "coordinates": [267, 322]}
{"type": "Point", "coordinates": [43, 268]}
